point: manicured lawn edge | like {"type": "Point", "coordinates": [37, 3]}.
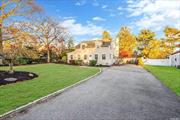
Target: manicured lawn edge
{"type": "Point", "coordinates": [163, 81]}
{"type": "Point", "coordinates": [23, 108]}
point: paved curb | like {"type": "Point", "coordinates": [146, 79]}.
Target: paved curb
{"type": "Point", "coordinates": [25, 108]}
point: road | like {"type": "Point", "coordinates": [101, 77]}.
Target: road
{"type": "Point", "coordinates": [118, 93]}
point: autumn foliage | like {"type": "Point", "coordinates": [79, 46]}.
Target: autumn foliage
{"type": "Point", "coordinates": [123, 53]}
{"type": "Point", "coordinates": [156, 49]}
{"type": "Point", "coordinates": [127, 43]}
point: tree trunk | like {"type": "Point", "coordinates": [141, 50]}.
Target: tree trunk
{"type": "Point", "coordinates": [48, 56]}
{"type": "Point", "coordinates": [1, 41]}
{"type": "Point", "coordinates": [11, 71]}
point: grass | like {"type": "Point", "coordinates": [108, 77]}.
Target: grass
{"type": "Point", "coordinates": [169, 76]}
{"type": "Point", "coordinates": [52, 77]}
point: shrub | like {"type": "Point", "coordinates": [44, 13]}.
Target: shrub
{"type": "Point", "coordinates": [24, 61]}
{"type": "Point", "coordinates": [78, 62]}
{"type": "Point", "coordinates": [72, 62]}
{"type": "Point", "coordinates": [64, 59]}
{"type": "Point", "coordinates": [75, 62]}
{"type": "Point", "coordinates": [178, 66]}
{"type": "Point", "coordinates": [92, 62]}
{"type": "Point", "coordinates": [140, 62]}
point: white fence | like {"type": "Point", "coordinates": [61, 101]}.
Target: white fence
{"type": "Point", "coordinates": [160, 62]}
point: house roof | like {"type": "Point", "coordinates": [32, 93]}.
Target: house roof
{"type": "Point", "coordinates": [106, 44]}
{"type": "Point", "coordinates": [1, 56]}
{"type": "Point", "coordinates": [175, 52]}
{"type": "Point", "coordinates": [89, 43]}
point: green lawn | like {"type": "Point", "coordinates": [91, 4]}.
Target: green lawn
{"type": "Point", "coordinates": [169, 76]}
{"type": "Point", "coordinates": [52, 77]}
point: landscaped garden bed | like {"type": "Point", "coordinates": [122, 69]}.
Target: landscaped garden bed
{"type": "Point", "coordinates": [51, 77]}
{"type": "Point", "coordinates": [169, 76]}
{"type": "Point", "coordinates": [17, 76]}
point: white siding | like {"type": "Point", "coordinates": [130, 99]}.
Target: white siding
{"type": "Point", "coordinates": [160, 62]}
{"type": "Point", "coordinates": [90, 52]}
{"type": "Point", "coordinates": [175, 59]}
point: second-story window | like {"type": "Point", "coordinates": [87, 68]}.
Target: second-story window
{"type": "Point", "coordinates": [85, 57]}
{"type": "Point", "coordinates": [103, 56]}
{"type": "Point", "coordinates": [109, 56]}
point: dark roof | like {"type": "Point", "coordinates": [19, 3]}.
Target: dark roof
{"type": "Point", "coordinates": [90, 44]}
{"type": "Point", "coordinates": [175, 52]}
{"type": "Point", "coordinates": [1, 56]}
{"type": "Point", "coordinates": [106, 44]}
{"type": "Point", "coordinates": [77, 46]}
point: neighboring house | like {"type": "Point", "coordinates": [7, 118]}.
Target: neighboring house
{"type": "Point", "coordinates": [175, 59]}
{"type": "Point", "coordinates": [172, 60]}
{"type": "Point", "coordinates": [101, 50]}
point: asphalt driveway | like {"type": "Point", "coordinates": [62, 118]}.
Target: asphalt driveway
{"type": "Point", "coordinates": [119, 93]}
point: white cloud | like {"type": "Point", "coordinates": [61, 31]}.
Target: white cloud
{"type": "Point", "coordinates": [95, 3]}
{"type": "Point", "coordinates": [155, 14]}
{"type": "Point", "coordinates": [104, 6]}
{"type": "Point", "coordinates": [119, 8]}
{"type": "Point", "coordinates": [77, 29]}
{"type": "Point", "coordinates": [98, 19]}
{"type": "Point", "coordinates": [67, 17]}
{"type": "Point", "coordinates": [80, 3]}
{"type": "Point", "coordinates": [112, 15]}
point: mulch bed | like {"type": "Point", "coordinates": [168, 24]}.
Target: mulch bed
{"type": "Point", "coordinates": [7, 78]}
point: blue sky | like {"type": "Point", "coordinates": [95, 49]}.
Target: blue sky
{"type": "Point", "coordinates": [86, 19]}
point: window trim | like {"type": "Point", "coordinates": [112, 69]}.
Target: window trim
{"type": "Point", "coordinates": [103, 56]}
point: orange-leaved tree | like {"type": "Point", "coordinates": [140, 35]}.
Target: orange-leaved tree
{"type": "Point", "coordinates": [127, 42]}
{"type": "Point", "coordinates": [11, 8]}
{"type": "Point", "coordinates": [106, 36]}
{"type": "Point", "coordinates": [22, 45]}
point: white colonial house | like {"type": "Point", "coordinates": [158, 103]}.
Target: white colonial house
{"type": "Point", "coordinates": [101, 50]}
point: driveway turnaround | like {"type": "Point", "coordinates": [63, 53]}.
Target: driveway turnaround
{"type": "Point", "coordinates": [119, 93]}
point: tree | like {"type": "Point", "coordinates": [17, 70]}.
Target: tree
{"type": "Point", "coordinates": [127, 42]}
{"type": "Point", "coordinates": [11, 8]}
{"type": "Point", "coordinates": [106, 36]}
{"type": "Point", "coordinates": [156, 49]}
{"type": "Point", "coordinates": [172, 36]}
{"type": "Point", "coordinates": [144, 37]}
{"type": "Point", "coordinates": [171, 33]}
{"type": "Point", "coordinates": [70, 43]}
{"type": "Point", "coordinates": [48, 32]}
{"type": "Point", "coordinates": [23, 45]}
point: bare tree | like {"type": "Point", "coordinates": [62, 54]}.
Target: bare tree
{"type": "Point", "coordinates": [11, 8]}
{"type": "Point", "coordinates": [48, 32]}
